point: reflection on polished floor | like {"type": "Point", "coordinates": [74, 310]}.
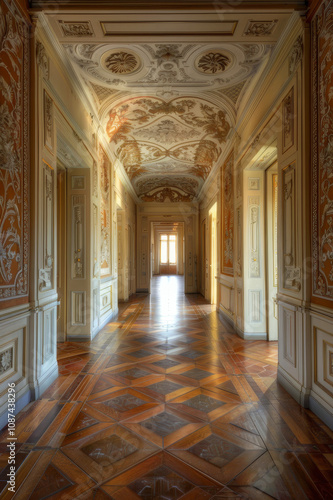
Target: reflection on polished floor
{"type": "Point", "coordinates": [167, 403]}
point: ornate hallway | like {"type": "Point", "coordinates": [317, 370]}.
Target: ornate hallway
{"type": "Point", "coordinates": [168, 403]}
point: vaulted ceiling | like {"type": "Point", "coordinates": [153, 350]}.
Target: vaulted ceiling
{"type": "Point", "coordinates": [168, 86]}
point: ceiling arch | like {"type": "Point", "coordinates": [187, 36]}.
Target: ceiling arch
{"type": "Point", "coordinates": [168, 87]}
{"type": "Point", "coordinates": [167, 144]}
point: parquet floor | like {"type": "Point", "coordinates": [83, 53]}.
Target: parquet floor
{"type": "Point", "coordinates": [167, 403]}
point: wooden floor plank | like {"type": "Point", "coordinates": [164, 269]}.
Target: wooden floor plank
{"type": "Point", "coordinates": [167, 397]}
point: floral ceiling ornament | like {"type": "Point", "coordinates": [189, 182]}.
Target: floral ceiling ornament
{"type": "Point", "coordinates": [121, 62]}
{"type": "Point", "coordinates": [168, 53]}
{"type": "Point", "coordinates": [213, 62]}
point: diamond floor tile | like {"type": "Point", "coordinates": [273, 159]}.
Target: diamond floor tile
{"type": "Point", "coordinates": [167, 402]}
{"type": "Point", "coordinates": [164, 423]}
{"type": "Point", "coordinates": [203, 403]}
{"type": "Point", "coordinates": [164, 387]}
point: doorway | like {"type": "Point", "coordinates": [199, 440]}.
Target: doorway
{"type": "Point", "coordinates": [213, 252]}
{"type": "Point", "coordinates": [271, 251]}
{"type": "Point", "coordinates": [61, 251]}
{"type": "Point", "coordinates": [168, 253]}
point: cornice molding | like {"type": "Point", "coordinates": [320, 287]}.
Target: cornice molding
{"type": "Point", "coordinates": [123, 177]}
{"type": "Point", "coordinates": [175, 5]}
{"type": "Point", "coordinates": [281, 53]}
{"type": "Point", "coordinates": [53, 47]}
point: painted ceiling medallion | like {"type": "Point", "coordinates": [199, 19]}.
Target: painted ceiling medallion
{"type": "Point", "coordinates": [212, 62]}
{"type": "Point", "coordinates": [120, 62]}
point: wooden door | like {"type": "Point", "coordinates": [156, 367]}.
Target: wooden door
{"type": "Point", "coordinates": [61, 253]}
{"type": "Point", "coordinates": [168, 253]}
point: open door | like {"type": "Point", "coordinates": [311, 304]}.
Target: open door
{"type": "Point", "coordinates": [271, 249]}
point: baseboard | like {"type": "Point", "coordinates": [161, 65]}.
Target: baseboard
{"type": "Point", "coordinates": [294, 388]}
{"type": "Point", "coordinates": [44, 382]}
{"type": "Point", "coordinates": [105, 321]}
{"type": "Point", "coordinates": [20, 403]}
{"type": "Point", "coordinates": [225, 318]}
{"type": "Point", "coordinates": [77, 338]}
{"type": "Point", "coordinates": [251, 335]}
{"type": "Point", "coordinates": [318, 409]}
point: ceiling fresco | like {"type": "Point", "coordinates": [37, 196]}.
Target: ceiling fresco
{"type": "Point", "coordinates": [156, 140]}
{"type": "Point", "coordinates": [168, 99]}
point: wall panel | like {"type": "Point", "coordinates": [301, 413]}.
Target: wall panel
{"type": "Point", "coordinates": [14, 155]}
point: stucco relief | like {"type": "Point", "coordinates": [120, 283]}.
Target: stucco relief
{"type": "Point", "coordinates": [213, 62]}
{"type": "Point", "coordinates": [14, 112]}
{"type": "Point", "coordinates": [6, 360]}
{"type": "Point", "coordinates": [159, 187]}
{"type": "Point", "coordinates": [322, 147]}
{"type": "Point", "coordinates": [121, 61]}
{"type": "Point", "coordinates": [260, 28]}
{"type": "Point", "coordinates": [105, 172]}
{"type": "Point", "coordinates": [288, 120]}
{"type": "Point", "coordinates": [296, 55]}
{"type": "Point", "coordinates": [228, 216]}
{"type": "Point", "coordinates": [76, 29]}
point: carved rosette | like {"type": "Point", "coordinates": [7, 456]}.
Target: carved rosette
{"type": "Point", "coordinates": [212, 62]}
{"type": "Point", "coordinates": [6, 360]}
{"type": "Point", "coordinates": [121, 62]}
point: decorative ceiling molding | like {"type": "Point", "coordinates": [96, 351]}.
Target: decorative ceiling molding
{"type": "Point", "coordinates": [179, 67]}
{"type": "Point", "coordinates": [212, 62]}
{"type": "Point", "coordinates": [76, 29]}
{"type": "Point", "coordinates": [168, 103]}
{"type": "Point", "coordinates": [120, 62]}
{"type": "Point", "coordinates": [260, 28]}
{"type": "Point", "coordinates": [193, 5]}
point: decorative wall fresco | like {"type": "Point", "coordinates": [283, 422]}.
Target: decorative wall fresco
{"type": "Point", "coordinates": [14, 152]}
{"type": "Point", "coordinates": [228, 216]}
{"type": "Point", "coordinates": [105, 172]}
{"type": "Point", "coordinates": [322, 159]}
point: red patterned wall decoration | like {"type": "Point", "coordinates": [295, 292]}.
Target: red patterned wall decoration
{"type": "Point", "coordinates": [14, 154]}
{"type": "Point", "coordinates": [105, 171]}
{"type": "Point", "coordinates": [227, 191]}
{"type": "Point", "coordinates": [322, 154]}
